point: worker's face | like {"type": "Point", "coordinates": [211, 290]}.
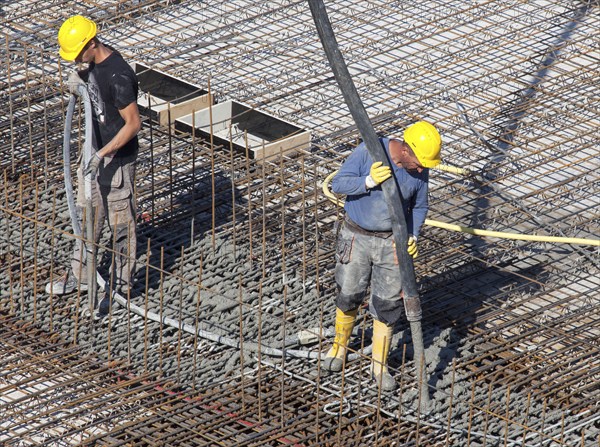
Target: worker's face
{"type": "Point", "coordinates": [406, 158]}
{"type": "Point", "coordinates": [87, 54]}
{"type": "Point", "coordinates": [412, 163]}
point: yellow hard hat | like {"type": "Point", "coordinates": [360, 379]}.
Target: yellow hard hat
{"type": "Point", "coordinates": [425, 141]}
{"type": "Point", "coordinates": [73, 35]}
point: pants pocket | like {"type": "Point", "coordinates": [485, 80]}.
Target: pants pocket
{"type": "Point", "coordinates": [344, 250]}
{"type": "Point", "coordinates": [111, 173]}
{"type": "Point", "coordinates": [119, 213]}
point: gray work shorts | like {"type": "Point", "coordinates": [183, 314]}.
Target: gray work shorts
{"type": "Point", "coordinates": [364, 260]}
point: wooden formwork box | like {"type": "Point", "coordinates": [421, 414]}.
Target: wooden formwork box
{"type": "Point", "coordinates": [166, 98]}
{"type": "Point", "coordinates": [235, 123]}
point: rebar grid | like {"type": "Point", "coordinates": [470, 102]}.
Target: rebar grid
{"type": "Point", "coordinates": [244, 250]}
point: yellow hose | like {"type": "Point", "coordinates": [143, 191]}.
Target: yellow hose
{"type": "Point", "coordinates": [474, 231]}
{"type": "Point", "coordinates": [452, 169]}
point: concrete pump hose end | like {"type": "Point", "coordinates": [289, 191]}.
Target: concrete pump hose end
{"type": "Point", "coordinates": [412, 307]}
{"type": "Point", "coordinates": [420, 366]}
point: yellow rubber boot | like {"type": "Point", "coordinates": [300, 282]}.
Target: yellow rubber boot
{"type": "Point", "coordinates": [382, 339]}
{"type": "Point", "coordinates": [344, 322]}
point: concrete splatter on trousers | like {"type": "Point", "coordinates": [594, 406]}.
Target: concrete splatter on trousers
{"type": "Point", "coordinates": [364, 259]}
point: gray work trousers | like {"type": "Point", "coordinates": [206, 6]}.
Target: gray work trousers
{"type": "Point", "coordinates": [362, 260]}
{"type": "Point", "coordinates": [113, 198]}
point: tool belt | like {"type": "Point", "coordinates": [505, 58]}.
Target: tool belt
{"type": "Point", "coordinates": [358, 229]}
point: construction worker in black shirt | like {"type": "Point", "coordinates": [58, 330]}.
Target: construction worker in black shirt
{"type": "Point", "coordinates": [113, 89]}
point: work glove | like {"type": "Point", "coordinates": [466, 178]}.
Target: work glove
{"type": "Point", "coordinates": [412, 246]}
{"type": "Point", "coordinates": [74, 82]}
{"type": "Point", "coordinates": [378, 174]}
{"type": "Point", "coordinates": [92, 166]}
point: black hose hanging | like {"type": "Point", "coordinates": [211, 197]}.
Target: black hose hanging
{"type": "Point", "coordinates": [392, 194]}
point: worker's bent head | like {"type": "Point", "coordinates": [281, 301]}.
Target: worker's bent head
{"type": "Point", "coordinates": [73, 36]}
{"type": "Point", "coordinates": [425, 141]}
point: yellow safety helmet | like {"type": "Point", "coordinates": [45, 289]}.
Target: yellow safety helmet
{"type": "Point", "coordinates": [73, 36]}
{"type": "Point", "coordinates": [425, 141]}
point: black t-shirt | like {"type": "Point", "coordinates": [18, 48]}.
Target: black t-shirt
{"type": "Point", "coordinates": [112, 85]}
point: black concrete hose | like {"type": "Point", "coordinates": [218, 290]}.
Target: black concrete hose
{"type": "Point", "coordinates": [391, 191]}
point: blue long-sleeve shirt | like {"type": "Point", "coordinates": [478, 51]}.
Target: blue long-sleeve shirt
{"type": "Point", "coordinates": [367, 207]}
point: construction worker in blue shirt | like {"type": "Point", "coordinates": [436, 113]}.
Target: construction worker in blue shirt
{"type": "Point", "coordinates": [366, 253]}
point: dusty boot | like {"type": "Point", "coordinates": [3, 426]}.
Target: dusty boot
{"type": "Point", "coordinates": [67, 283]}
{"type": "Point", "coordinates": [344, 322]}
{"type": "Point", "coordinates": [382, 338]}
